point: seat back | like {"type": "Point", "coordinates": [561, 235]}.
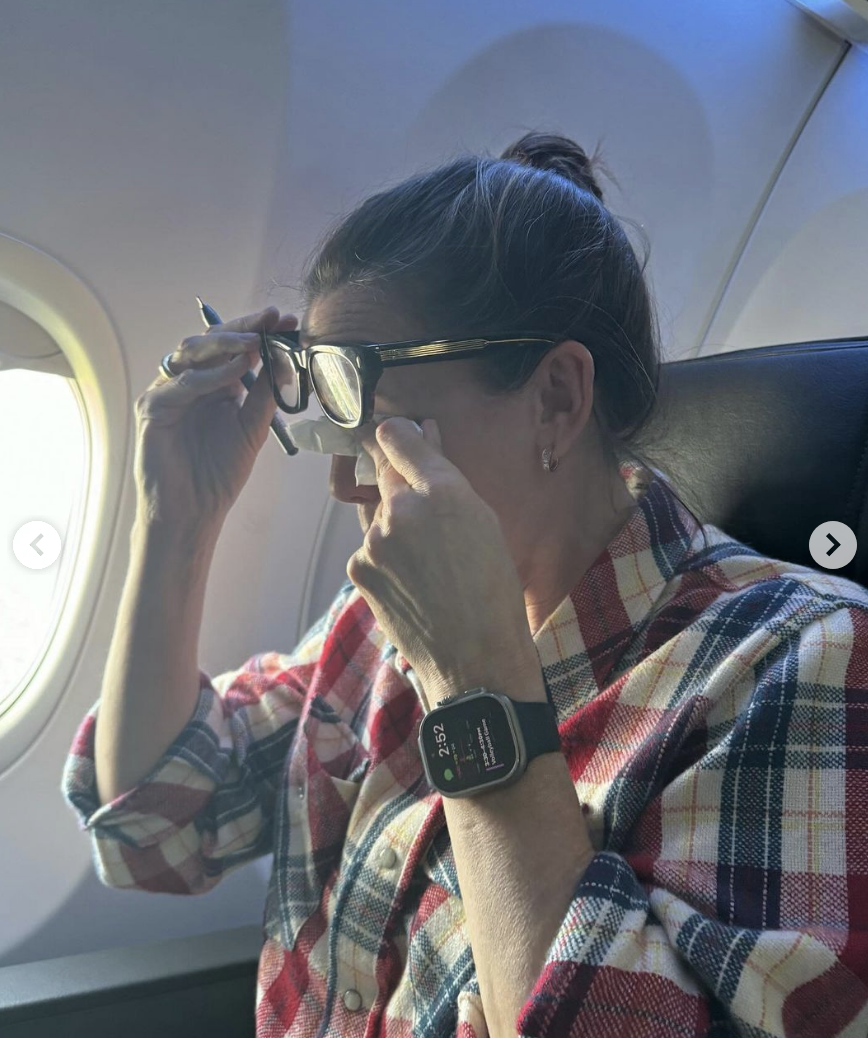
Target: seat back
{"type": "Point", "coordinates": [768, 443]}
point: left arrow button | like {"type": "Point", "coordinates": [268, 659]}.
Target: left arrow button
{"type": "Point", "coordinates": [36, 544]}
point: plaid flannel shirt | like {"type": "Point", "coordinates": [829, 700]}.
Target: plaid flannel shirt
{"type": "Point", "coordinates": [713, 709]}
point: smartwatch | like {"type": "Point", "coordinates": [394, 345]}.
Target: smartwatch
{"type": "Point", "coordinates": [480, 739]}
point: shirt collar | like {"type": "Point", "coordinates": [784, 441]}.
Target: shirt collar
{"type": "Point", "coordinates": [582, 641]}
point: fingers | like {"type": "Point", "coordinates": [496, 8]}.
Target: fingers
{"type": "Point", "coordinates": [212, 348]}
{"type": "Point", "coordinates": [222, 342]}
{"type": "Point", "coordinates": [287, 323]}
{"type": "Point", "coordinates": [269, 318]}
{"type": "Point", "coordinates": [180, 391]}
{"type": "Point", "coordinates": [251, 322]}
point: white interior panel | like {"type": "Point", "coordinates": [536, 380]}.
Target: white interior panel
{"type": "Point", "coordinates": [802, 275]}
{"type": "Point", "coordinates": [163, 150]}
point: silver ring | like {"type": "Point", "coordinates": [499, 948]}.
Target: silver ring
{"type": "Point", "coordinates": [164, 366]}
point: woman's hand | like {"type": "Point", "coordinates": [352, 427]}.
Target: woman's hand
{"type": "Point", "coordinates": [435, 568]}
{"type": "Point", "coordinates": [196, 440]}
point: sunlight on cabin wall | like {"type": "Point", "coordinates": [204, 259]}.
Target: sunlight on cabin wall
{"type": "Point", "coordinates": [42, 472]}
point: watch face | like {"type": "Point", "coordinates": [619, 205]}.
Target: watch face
{"type": "Point", "coordinates": [468, 744]}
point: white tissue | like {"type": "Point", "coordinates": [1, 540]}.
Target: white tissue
{"type": "Point", "coordinates": [366, 471]}
{"type": "Point", "coordinates": [324, 437]}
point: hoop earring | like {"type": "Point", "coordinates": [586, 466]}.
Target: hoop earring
{"type": "Point", "coordinates": [550, 463]}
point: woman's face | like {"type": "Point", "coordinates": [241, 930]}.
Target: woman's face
{"type": "Point", "coordinates": [485, 437]}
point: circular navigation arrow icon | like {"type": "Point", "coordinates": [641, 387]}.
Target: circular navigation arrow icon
{"type": "Point", "coordinates": [832, 545]}
{"type": "Point", "coordinates": [36, 545]}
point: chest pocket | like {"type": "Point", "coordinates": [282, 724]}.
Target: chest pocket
{"type": "Point", "coordinates": [320, 788]}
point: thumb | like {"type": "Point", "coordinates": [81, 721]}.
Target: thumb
{"type": "Point", "coordinates": [259, 407]}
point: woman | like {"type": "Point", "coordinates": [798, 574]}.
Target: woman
{"type": "Point", "coordinates": [684, 852]}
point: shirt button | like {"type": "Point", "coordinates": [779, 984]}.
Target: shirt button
{"type": "Point", "coordinates": [388, 857]}
{"type": "Point", "coordinates": [352, 999]}
{"type": "Point", "coordinates": [301, 792]}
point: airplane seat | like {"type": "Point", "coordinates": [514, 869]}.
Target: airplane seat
{"type": "Point", "coordinates": [767, 443]}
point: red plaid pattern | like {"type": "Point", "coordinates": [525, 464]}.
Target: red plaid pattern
{"type": "Point", "coordinates": [713, 709]}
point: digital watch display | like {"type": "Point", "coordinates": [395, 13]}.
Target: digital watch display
{"type": "Point", "coordinates": [482, 739]}
{"type": "Point", "coordinates": [469, 744]}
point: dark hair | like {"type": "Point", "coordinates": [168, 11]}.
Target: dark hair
{"type": "Point", "coordinates": [491, 246]}
{"type": "Point", "coordinates": [522, 242]}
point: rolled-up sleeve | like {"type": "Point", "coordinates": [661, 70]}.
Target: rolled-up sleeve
{"type": "Point", "coordinates": [208, 804]}
{"type": "Point", "coordinates": [741, 906]}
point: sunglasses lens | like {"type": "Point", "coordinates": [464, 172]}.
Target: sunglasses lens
{"type": "Point", "coordinates": [337, 386]}
{"type": "Point", "coordinates": [284, 374]}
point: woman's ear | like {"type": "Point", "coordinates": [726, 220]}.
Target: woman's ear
{"type": "Point", "coordinates": [567, 387]}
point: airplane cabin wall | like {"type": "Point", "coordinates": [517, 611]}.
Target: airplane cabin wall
{"type": "Point", "coordinates": [801, 275]}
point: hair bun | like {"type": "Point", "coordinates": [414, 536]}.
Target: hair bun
{"type": "Point", "coordinates": [559, 154]}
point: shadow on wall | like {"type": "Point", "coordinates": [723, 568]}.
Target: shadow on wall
{"type": "Point", "coordinates": [574, 79]}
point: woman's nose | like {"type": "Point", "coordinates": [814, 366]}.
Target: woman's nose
{"type": "Point", "coordinates": [342, 483]}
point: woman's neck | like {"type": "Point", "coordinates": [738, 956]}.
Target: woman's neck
{"type": "Point", "coordinates": [581, 518]}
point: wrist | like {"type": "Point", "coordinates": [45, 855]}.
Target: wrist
{"type": "Point", "coordinates": [175, 540]}
{"type": "Point", "coordinates": [524, 684]}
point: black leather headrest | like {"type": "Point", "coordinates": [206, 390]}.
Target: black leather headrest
{"type": "Point", "coordinates": [768, 443]}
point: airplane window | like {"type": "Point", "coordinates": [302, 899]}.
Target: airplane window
{"type": "Point", "coordinates": [42, 476]}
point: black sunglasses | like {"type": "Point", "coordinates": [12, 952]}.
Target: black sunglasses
{"type": "Point", "coordinates": [344, 377]}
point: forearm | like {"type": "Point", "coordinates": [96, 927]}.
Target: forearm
{"type": "Point", "coordinates": [151, 679]}
{"type": "Point", "coordinates": [519, 852]}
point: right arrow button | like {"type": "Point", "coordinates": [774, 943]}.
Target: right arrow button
{"type": "Point", "coordinates": [843, 545]}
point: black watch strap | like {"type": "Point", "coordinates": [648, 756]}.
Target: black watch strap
{"type": "Point", "coordinates": [539, 726]}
